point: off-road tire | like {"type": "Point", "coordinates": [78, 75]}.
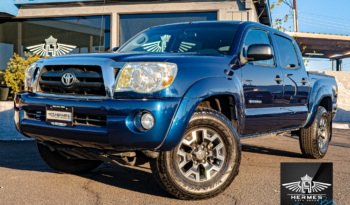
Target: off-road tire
{"type": "Point", "coordinates": [61, 164]}
{"type": "Point", "coordinates": [165, 171]}
{"type": "Point", "coordinates": [309, 138]}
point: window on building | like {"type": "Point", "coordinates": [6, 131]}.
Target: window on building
{"type": "Point", "coordinates": [257, 37]}
{"type": "Point", "coordinates": [289, 59]}
{"type": "Point", "coordinates": [53, 36]}
{"type": "Point", "coordinates": [132, 24]}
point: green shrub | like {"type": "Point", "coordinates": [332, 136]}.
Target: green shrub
{"type": "Point", "coordinates": [16, 68]}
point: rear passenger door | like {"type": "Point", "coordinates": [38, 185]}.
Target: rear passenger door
{"type": "Point", "coordinates": [295, 79]}
{"type": "Point", "coordinates": [260, 80]}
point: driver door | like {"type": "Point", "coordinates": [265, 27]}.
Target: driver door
{"type": "Point", "coordinates": [263, 87]}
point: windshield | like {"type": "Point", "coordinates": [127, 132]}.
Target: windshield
{"type": "Point", "coordinates": [190, 38]}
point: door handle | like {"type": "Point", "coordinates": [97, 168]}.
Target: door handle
{"type": "Point", "coordinates": [304, 81]}
{"type": "Point", "coordinates": [278, 79]}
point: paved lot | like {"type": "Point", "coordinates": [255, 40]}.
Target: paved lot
{"type": "Point", "coordinates": [25, 179]}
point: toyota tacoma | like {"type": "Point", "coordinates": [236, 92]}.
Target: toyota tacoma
{"type": "Point", "coordinates": [179, 96]}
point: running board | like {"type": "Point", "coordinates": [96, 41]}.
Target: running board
{"type": "Point", "coordinates": [275, 132]}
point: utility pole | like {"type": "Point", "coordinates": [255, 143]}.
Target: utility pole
{"type": "Point", "coordinates": [295, 15]}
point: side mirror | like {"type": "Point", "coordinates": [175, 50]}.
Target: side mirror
{"type": "Point", "coordinates": [259, 52]}
{"type": "Point", "coordinates": [115, 48]}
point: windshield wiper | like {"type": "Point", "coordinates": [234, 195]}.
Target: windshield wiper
{"type": "Point", "coordinates": [182, 52]}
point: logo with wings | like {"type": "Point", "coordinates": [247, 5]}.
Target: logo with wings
{"type": "Point", "coordinates": [306, 183]}
{"type": "Point", "coordinates": [157, 46]}
{"type": "Point", "coordinates": [51, 48]}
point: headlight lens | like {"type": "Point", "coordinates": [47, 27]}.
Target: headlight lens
{"type": "Point", "coordinates": [28, 80]}
{"type": "Point", "coordinates": [146, 77]}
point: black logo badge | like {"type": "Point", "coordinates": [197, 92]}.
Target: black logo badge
{"type": "Point", "coordinates": [306, 183]}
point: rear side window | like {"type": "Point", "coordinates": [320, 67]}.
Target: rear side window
{"type": "Point", "coordinates": [257, 37]}
{"type": "Point", "coordinates": [287, 52]}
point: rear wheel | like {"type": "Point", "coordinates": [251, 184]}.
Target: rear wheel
{"type": "Point", "coordinates": [205, 162]}
{"type": "Point", "coordinates": [60, 163]}
{"type": "Point", "coordinates": [314, 140]}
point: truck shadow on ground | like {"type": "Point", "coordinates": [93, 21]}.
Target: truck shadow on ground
{"type": "Point", "coordinates": [22, 155]}
{"type": "Point", "coordinates": [270, 151]}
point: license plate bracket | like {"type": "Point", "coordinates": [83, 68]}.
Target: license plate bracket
{"type": "Point", "coordinates": [59, 115]}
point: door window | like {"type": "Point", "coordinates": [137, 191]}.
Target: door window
{"type": "Point", "coordinates": [287, 52]}
{"type": "Point", "coordinates": [257, 37]}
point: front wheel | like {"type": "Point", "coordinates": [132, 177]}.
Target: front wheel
{"type": "Point", "coordinates": [205, 162]}
{"type": "Point", "coordinates": [314, 140]}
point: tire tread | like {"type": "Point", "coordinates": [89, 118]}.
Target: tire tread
{"type": "Point", "coordinates": [308, 141]}
{"type": "Point", "coordinates": [159, 171]}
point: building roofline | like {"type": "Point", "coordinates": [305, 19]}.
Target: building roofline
{"type": "Point", "coordinates": [319, 35]}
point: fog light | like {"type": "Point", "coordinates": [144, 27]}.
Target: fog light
{"type": "Point", "coordinates": [147, 121]}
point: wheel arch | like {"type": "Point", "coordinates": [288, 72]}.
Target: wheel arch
{"type": "Point", "coordinates": [223, 94]}
{"type": "Point", "coordinates": [224, 104]}
{"type": "Point", "coordinates": [323, 97]}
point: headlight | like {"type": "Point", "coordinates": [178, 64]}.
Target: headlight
{"type": "Point", "coordinates": [28, 78]}
{"type": "Point", "coordinates": [146, 77]}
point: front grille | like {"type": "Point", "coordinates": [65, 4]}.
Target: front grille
{"type": "Point", "coordinates": [78, 119]}
{"type": "Point", "coordinates": [35, 114]}
{"type": "Point", "coordinates": [90, 120]}
{"type": "Point", "coordinates": [88, 80]}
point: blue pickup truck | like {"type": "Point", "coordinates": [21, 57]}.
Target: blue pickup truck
{"type": "Point", "coordinates": [179, 96]}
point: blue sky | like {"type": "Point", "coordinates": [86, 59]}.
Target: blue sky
{"type": "Point", "coordinates": [319, 16]}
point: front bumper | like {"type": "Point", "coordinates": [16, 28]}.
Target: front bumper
{"type": "Point", "coordinates": [117, 134]}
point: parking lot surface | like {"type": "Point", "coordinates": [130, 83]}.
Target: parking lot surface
{"type": "Point", "coordinates": [25, 179]}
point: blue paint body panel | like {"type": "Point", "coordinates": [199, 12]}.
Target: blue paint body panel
{"type": "Point", "coordinates": [116, 134]}
{"type": "Point", "coordinates": [198, 77]}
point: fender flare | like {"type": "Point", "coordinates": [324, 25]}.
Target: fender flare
{"type": "Point", "coordinates": [315, 100]}
{"type": "Point", "coordinates": [197, 92]}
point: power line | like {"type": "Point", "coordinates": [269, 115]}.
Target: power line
{"type": "Point", "coordinates": [323, 69]}
{"type": "Point", "coordinates": [278, 14]}
{"type": "Point", "coordinates": [325, 24]}
{"type": "Point", "coordinates": [311, 59]}
{"type": "Point", "coordinates": [325, 20]}
{"type": "Point", "coordinates": [323, 16]}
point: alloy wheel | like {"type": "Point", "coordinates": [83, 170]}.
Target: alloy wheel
{"type": "Point", "coordinates": [323, 136]}
{"type": "Point", "coordinates": [201, 155]}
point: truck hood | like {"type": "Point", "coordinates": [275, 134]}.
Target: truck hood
{"type": "Point", "coordinates": [128, 57]}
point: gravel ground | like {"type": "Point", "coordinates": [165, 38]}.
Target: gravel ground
{"type": "Point", "coordinates": [25, 179]}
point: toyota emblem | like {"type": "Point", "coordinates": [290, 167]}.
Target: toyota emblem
{"type": "Point", "coordinates": [68, 79]}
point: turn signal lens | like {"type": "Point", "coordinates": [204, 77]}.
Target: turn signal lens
{"type": "Point", "coordinates": [125, 78]}
{"type": "Point", "coordinates": [168, 80]}
{"type": "Point", "coordinates": [28, 78]}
